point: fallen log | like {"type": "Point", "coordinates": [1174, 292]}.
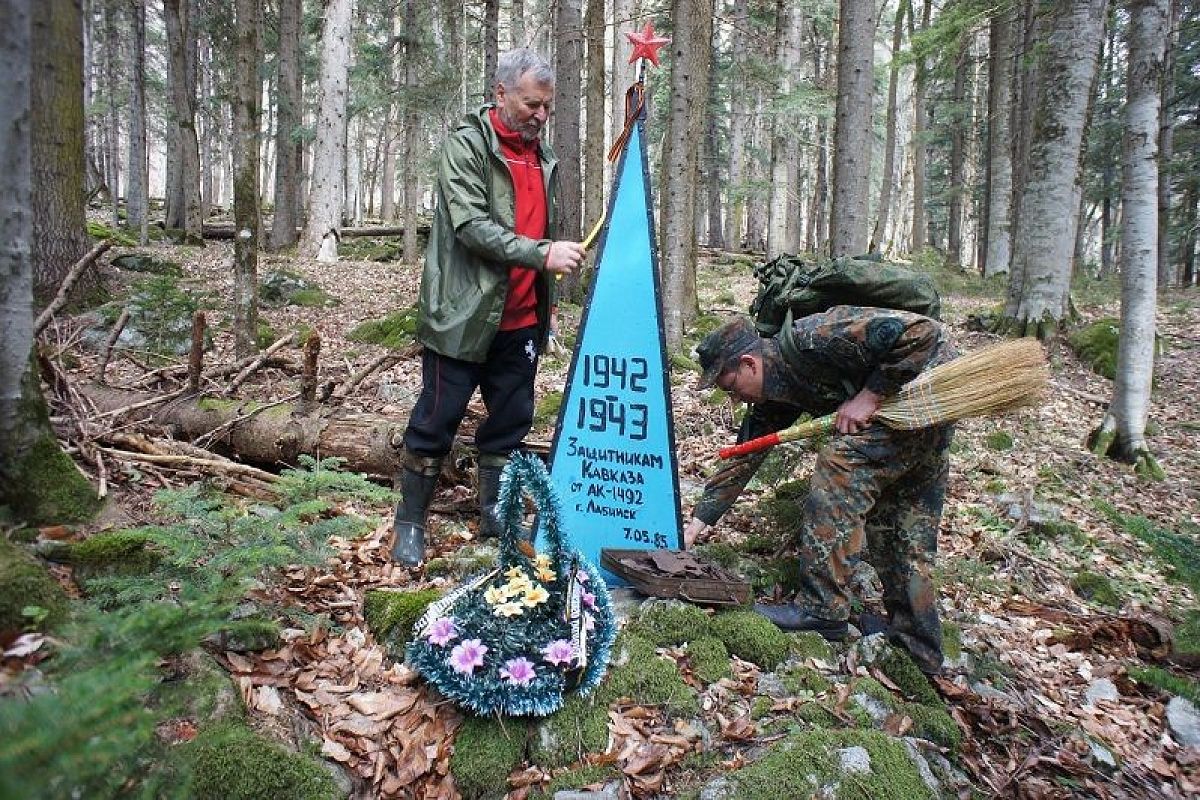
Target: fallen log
{"type": "Point", "coordinates": [277, 437]}
{"type": "Point", "coordinates": [227, 231]}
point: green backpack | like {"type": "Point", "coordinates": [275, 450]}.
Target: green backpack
{"type": "Point", "coordinates": [802, 285]}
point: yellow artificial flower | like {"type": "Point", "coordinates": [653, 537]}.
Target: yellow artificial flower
{"type": "Point", "coordinates": [535, 596]}
{"type": "Point", "coordinates": [545, 574]}
{"type": "Point", "coordinates": [515, 573]}
{"type": "Point", "coordinates": [508, 610]}
{"type": "Point", "coordinates": [542, 560]}
{"type": "Point", "coordinates": [517, 585]}
{"type": "Point", "coordinates": [495, 594]}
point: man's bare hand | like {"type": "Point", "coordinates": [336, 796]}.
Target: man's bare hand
{"type": "Point", "coordinates": [694, 528]}
{"type": "Point", "coordinates": [564, 257]}
{"type": "Point", "coordinates": [855, 414]}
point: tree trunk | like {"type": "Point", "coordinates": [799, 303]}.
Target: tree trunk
{"type": "Point", "coordinates": [325, 200]}
{"type": "Point", "coordinates": [183, 211]}
{"type": "Point", "coordinates": [690, 53]}
{"type": "Point", "coordinates": [623, 12]}
{"type": "Point", "coordinates": [852, 132]}
{"type": "Point", "coordinates": [491, 46]}
{"type": "Point", "coordinates": [38, 482]}
{"type": "Point", "coordinates": [711, 173]}
{"type": "Point", "coordinates": [112, 48]}
{"type": "Point", "coordinates": [1123, 430]}
{"type": "Point", "coordinates": [756, 209]}
{"type": "Point", "coordinates": [288, 122]}
{"type": "Point", "coordinates": [517, 24]}
{"type": "Point", "coordinates": [1039, 287]}
{"type": "Point", "coordinates": [788, 25]}
{"type": "Point", "coordinates": [59, 227]}
{"type": "Point", "coordinates": [956, 191]}
{"type": "Point", "coordinates": [568, 69]}
{"type": "Point", "coordinates": [920, 227]}
{"type": "Point", "coordinates": [739, 121]}
{"type": "Point", "coordinates": [246, 113]}
{"type": "Point", "coordinates": [1166, 152]}
{"type": "Point", "coordinates": [412, 136]}
{"type": "Point", "coordinates": [888, 179]}
{"type": "Point", "coordinates": [1000, 178]}
{"type": "Point", "coordinates": [137, 194]}
{"type": "Point", "coordinates": [594, 150]}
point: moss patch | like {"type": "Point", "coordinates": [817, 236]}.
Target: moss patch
{"type": "Point", "coordinates": [391, 615]}
{"type": "Point", "coordinates": [395, 331]}
{"type": "Point", "coordinates": [797, 679]}
{"type": "Point", "coordinates": [29, 597]}
{"type": "Point", "coordinates": [576, 779]}
{"type": "Point", "coordinates": [52, 490]}
{"type": "Point", "coordinates": [232, 762]}
{"type": "Point", "coordinates": [1187, 634]}
{"type": "Point", "coordinates": [999, 440]}
{"type": "Point", "coordinates": [808, 644]}
{"type": "Point", "coordinates": [1167, 682]}
{"type": "Point", "coordinates": [1096, 345]}
{"type": "Point", "coordinates": [934, 724]}
{"type": "Point", "coordinates": [579, 727]}
{"type": "Point", "coordinates": [642, 676]}
{"type": "Point", "coordinates": [1096, 588]}
{"type": "Point", "coordinates": [752, 637]}
{"type": "Point", "coordinates": [801, 764]}
{"type": "Point", "coordinates": [124, 551]}
{"type": "Point", "coordinates": [710, 660]}
{"type": "Point", "coordinates": [468, 560]}
{"type": "Point", "coordinates": [719, 553]}
{"type": "Point", "coordinates": [547, 408]}
{"type": "Point", "coordinates": [904, 672]}
{"type": "Point", "coordinates": [486, 750]}
{"type": "Point", "coordinates": [667, 623]}
{"type": "Point", "coordinates": [951, 641]}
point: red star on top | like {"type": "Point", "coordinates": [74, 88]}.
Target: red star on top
{"type": "Point", "coordinates": [646, 44]}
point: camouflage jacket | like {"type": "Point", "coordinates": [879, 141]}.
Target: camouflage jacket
{"type": "Point", "coordinates": [814, 366]}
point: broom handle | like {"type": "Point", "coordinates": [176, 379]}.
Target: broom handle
{"type": "Point", "coordinates": [800, 430]}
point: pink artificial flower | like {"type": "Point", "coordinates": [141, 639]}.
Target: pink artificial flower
{"type": "Point", "coordinates": [442, 631]}
{"type": "Point", "coordinates": [589, 599]}
{"type": "Point", "coordinates": [468, 655]}
{"type": "Point", "coordinates": [560, 651]}
{"type": "Point", "coordinates": [518, 671]}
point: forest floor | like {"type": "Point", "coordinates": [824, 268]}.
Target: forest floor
{"type": "Point", "coordinates": [1029, 511]}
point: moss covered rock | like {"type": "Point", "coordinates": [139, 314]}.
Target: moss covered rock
{"type": "Point", "coordinates": [639, 674]}
{"type": "Point", "coordinates": [1096, 588]}
{"type": "Point", "coordinates": [667, 623]}
{"type": "Point", "coordinates": [395, 331]}
{"type": "Point", "coordinates": [576, 779]}
{"type": "Point", "coordinates": [797, 679]}
{"type": "Point", "coordinates": [124, 551]}
{"type": "Point", "coordinates": [29, 597]}
{"type": "Point", "coordinates": [391, 615]}
{"type": "Point", "coordinates": [710, 659]}
{"type": "Point", "coordinates": [467, 560]}
{"type": "Point", "coordinates": [232, 762]}
{"type": "Point", "coordinates": [1096, 344]}
{"type": "Point", "coordinates": [811, 764]}
{"type": "Point", "coordinates": [281, 288]}
{"type": "Point", "coordinates": [51, 488]}
{"type": "Point", "coordinates": [486, 750]}
{"type": "Point", "coordinates": [898, 665]}
{"type": "Point", "coordinates": [579, 727]}
{"type": "Point", "coordinates": [752, 637]}
{"type": "Point", "coordinates": [807, 644]}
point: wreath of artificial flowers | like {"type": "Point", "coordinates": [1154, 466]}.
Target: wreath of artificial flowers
{"type": "Point", "coordinates": [518, 639]}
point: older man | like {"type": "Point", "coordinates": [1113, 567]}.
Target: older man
{"type": "Point", "coordinates": [870, 482]}
{"type": "Point", "coordinates": [486, 292]}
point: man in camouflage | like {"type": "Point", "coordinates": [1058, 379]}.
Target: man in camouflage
{"type": "Point", "coordinates": [871, 485]}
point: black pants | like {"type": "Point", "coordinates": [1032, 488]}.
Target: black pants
{"type": "Point", "coordinates": [505, 381]}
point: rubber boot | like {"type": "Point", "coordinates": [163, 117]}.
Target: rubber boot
{"type": "Point", "coordinates": [418, 478]}
{"type": "Point", "coordinates": [490, 467]}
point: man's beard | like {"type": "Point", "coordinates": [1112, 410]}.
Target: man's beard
{"type": "Point", "coordinates": [529, 131]}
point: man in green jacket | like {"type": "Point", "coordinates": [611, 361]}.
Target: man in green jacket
{"type": "Point", "coordinates": [486, 292]}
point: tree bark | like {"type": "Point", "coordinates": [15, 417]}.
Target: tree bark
{"type": "Point", "coordinates": [137, 195]}
{"type": "Point", "coordinates": [246, 115]}
{"type": "Point", "coordinates": [739, 122]}
{"type": "Point", "coordinates": [184, 210]}
{"type": "Point", "coordinates": [1122, 433]}
{"type": "Point", "coordinates": [112, 48]}
{"type": "Point", "coordinates": [325, 202]}
{"type": "Point", "coordinates": [491, 46]}
{"type": "Point", "coordinates": [59, 226]}
{"type": "Point", "coordinates": [623, 13]}
{"type": "Point", "coordinates": [1166, 152]}
{"type": "Point", "coordinates": [594, 96]}
{"type": "Point", "coordinates": [288, 121]}
{"type": "Point", "coordinates": [690, 51]}
{"type": "Point", "coordinates": [920, 227]}
{"type": "Point", "coordinates": [568, 67]}
{"type": "Point", "coordinates": [780, 223]}
{"type": "Point", "coordinates": [711, 172]}
{"type": "Point", "coordinates": [412, 135]}
{"type": "Point", "coordinates": [955, 191]}
{"type": "Point", "coordinates": [1000, 178]}
{"type": "Point", "coordinates": [1040, 280]}
{"type": "Point", "coordinates": [888, 180]}
{"type": "Point", "coordinates": [37, 480]}
{"type": "Point", "coordinates": [852, 132]}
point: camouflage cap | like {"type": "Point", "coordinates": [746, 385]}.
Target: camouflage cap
{"type": "Point", "coordinates": [717, 349]}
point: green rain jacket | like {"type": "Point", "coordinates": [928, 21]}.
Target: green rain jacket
{"type": "Point", "coordinates": [472, 244]}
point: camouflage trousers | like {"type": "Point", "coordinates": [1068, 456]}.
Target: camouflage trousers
{"type": "Point", "coordinates": [884, 489]}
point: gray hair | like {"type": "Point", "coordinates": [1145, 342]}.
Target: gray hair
{"type": "Point", "coordinates": [512, 65]}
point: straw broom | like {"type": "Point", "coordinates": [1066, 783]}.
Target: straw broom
{"type": "Point", "coordinates": [992, 380]}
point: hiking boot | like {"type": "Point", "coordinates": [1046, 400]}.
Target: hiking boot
{"type": "Point", "coordinates": [490, 467]}
{"type": "Point", "coordinates": [790, 617]}
{"type": "Point", "coordinates": [418, 479]}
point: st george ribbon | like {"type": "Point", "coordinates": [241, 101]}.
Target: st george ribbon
{"type": "Point", "coordinates": [613, 460]}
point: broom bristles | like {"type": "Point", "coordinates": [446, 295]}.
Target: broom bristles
{"type": "Point", "coordinates": [992, 380]}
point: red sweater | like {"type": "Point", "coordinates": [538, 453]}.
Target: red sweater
{"type": "Point", "coordinates": [520, 306]}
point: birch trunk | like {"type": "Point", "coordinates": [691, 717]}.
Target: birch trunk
{"type": "Point", "coordinates": [690, 52]}
{"type": "Point", "coordinates": [327, 187]}
{"type": "Point", "coordinates": [1040, 284]}
{"type": "Point", "coordinates": [288, 120]}
{"type": "Point", "coordinates": [1122, 433]}
{"type": "Point", "coordinates": [1000, 179]}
